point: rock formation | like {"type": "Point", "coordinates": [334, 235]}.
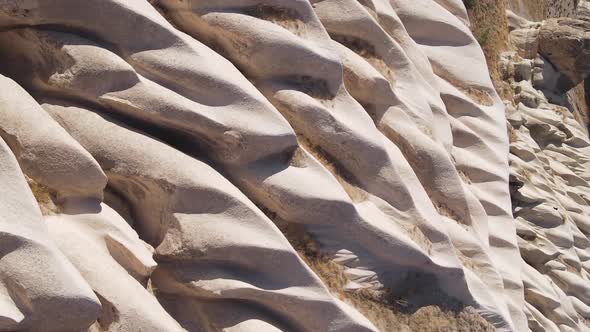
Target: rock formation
{"type": "Point", "coordinates": [564, 42]}
{"type": "Point", "coordinates": [549, 182]}
{"type": "Point", "coordinates": [542, 9]}
{"type": "Point", "coordinates": [550, 169]}
{"type": "Point", "coordinates": [285, 165]}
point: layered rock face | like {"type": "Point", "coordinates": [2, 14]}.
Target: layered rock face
{"type": "Point", "coordinates": [549, 182]}
{"type": "Point", "coordinates": [550, 169]}
{"type": "Point", "coordinates": [564, 42]}
{"type": "Point", "coordinates": [274, 165]}
{"type": "Point", "coordinates": [541, 9]}
{"type": "Point", "coordinates": [562, 8]}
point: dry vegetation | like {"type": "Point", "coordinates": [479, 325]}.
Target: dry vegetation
{"type": "Point", "coordinates": [420, 307]}
{"type": "Point", "coordinates": [490, 27]}
{"type": "Point", "coordinates": [489, 24]}
{"type": "Point", "coordinates": [284, 17]}
{"type": "Point", "coordinates": [346, 180]}
{"type": "Point", "coordinates": [45, 197]}
{"type": "Point", "coordinates": [476, 94]}
{"type": "Point", "coordinates": [367, 52]}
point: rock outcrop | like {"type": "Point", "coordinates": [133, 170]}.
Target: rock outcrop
{"type": "Point", "coordinates": [583, 11]}
{"type": "Point", "coordinates": [561, 41]}
{"type": "Point", "coordinates": [549, 169]}
{"type": "Point", "coordinates": [283, 165]}
{"type": "Point", "coordinates": [549, 181]}
{"type": "Point", "coordinates": [564, 42]}
{"type": "Point", "coordinates": [538, 10]}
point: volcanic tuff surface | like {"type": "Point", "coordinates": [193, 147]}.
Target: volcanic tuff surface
{"type": "Point", "coordinates": [282, 165]}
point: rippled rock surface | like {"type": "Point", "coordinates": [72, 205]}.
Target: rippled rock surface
{"type": "Point", "coordinates": [279, 165]}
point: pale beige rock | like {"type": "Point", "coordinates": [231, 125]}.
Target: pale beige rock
{"type": "Point", "coordinates": [549, 163]}
{"type": "Point", "coordinates": [523, 35]}
{"type": "Point", "coordinates": [40, 289]}
{"type": "Point", "coordinates": [189, 213]}
{"type": "Point", "coordinates": [219, 27]}
{"type": "Point", "coordinates": [144, 100]}
{"type": "Point", "coordinates": [115, 263]}
{"type": "Point", "coordinates": [46, 153]}
{"type": "Point", "coordinates": [370, 126]}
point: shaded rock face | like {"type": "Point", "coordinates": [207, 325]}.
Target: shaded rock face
{"type": "Point", "coordinates": [565, 8]}
{"type": "Point", "coordinates": [583, 11]}
{"type": "Point", "coordinates": [565, 42]}
{"type": "Point", "coordinates": [542, 9]}
{"type": "Point", "coordinates": [173, 165]}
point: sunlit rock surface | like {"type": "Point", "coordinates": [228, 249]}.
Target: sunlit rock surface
{"type": "Point", "coordinates": [173, 147]}
{"type": "Point", "coordinates": [550, 169]}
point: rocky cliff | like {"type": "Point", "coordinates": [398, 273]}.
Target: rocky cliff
{"type": "Point", "coordinates": [542, 9]}
{"type": "Point", "coordinates": [285, 165]}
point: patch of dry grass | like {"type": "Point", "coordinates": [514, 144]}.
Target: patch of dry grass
{"type": "Point", "coordinates": [444, 210]}
{"type": "Point", "coordinates": [45, 197]}
{"type": "Point", "coordinates": [420, 306]}
{"type": "Point", "coordinates": [465, 177]}
{"type": "Point", "coordinates": [367, 52]}
{"type": "Point", "coordinates": [512, 135]}
{"type": "Point", "coordinates": [490, 27]}
{"type": "Point", "coordinates": [476, 94]}
{"type": "Point", "coordinates": [346, 180]}
{"type": "Point", "coordinates": [479, 96]}
{"type": "Point", "coordinates": [284, 17]}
